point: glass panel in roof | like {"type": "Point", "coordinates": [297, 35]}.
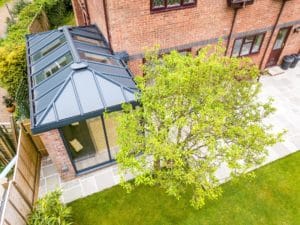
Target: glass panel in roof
{"type": "Point", "coordinates": [112, 93]}
{"type": "Point", "coordinates": [53, 68]}
{"type": "Point", "coordinates": [90, 41]}
{"type": "Point", "coordinates": [67, 103]}
{"type": "Point", "coordinates": [98, 58]}
{"type": "Point", "coordinates": [87, 91]}
{"type": "Point", "coordinates": [48, 49]}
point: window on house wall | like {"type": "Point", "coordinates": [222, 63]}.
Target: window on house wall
{"type": "Point", "coordinates": [182, 52]}
{"type": "Point", "coordinates": [247, 45]}
{"type": "Point", "coordinates": [157, 5]}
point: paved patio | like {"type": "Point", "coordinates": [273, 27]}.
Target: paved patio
{"type": "Point", "coordinates": [283, 88]}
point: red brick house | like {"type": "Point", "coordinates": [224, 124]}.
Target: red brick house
{"type": "Point", "coordinates": [264, 30]}
{"type": "Point", "coordinates": [77, 73]}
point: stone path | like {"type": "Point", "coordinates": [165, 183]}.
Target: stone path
{"type": "Point", "coordinates": [283, 88]}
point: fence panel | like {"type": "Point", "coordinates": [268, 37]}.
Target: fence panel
{"type": "Point", "coordinates": [23, 189]}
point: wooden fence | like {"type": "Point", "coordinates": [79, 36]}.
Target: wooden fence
{"type": "Point", "coordinates": [8, 142]}
{"type": "Point", "coordinates": [22, 190]}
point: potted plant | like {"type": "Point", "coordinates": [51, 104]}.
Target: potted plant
{"type": "Point", "coordinates": [9, 103]}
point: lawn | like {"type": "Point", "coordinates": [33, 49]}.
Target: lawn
{"type": "Point", "coordinates": [273, 197]}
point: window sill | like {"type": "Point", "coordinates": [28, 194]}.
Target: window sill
{"type": "Point", "coordinates": [251, 54]}
{"type": "Point", "coordinates": [154, 11]}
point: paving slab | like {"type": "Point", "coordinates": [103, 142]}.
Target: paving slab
{"type": "Point", "coordinates": [89, 186]}
{"type": "Point", "coordinates": [72, 194]}
{"type": "Point", "coordinates": [104, 180]}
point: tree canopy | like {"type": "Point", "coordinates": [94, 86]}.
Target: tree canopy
{"type": "Point", "coordinates": [195, 114]}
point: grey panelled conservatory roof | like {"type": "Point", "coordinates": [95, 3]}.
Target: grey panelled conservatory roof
{"type": "Point", "coordinates": [73, 75]}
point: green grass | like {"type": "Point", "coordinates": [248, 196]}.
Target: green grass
{"type": "Point", "coordinates": [272, 198]}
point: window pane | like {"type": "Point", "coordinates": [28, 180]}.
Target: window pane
{"type": "Point", "coordinates": [171, 3]}
{"type": "Point", "coordinates": [249, 39]}
{"type": "Point", "coordinates": [48, 49]}
{"type": "Point", "coordinates": [158, 4]}
{"type": "Point", "coordinates": [257, 43]}
{"type": "Point", "coordinates": [237, 47]}
{"type": "Point", "coordinates": [280, 39]}
{"type": "Point", "coordinates": [98, 58]}
{"type": "Point", "coordinates": [53, 68]}
{"type": "Point", "coordinates": [86, 143]}
{"type": "Point", "coordinates": [184, 52]}
{"type": "Point", "coordinates": [89, 40]}
{"type": "Point", "coordinates": [111, 125]}
{"type": "Point", "coordinates": [246, 49]}
{"type": "Point", "coordinates": [188, 2]}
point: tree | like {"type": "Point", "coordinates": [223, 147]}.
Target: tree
{"type": "Point", "coordinates": [195, 114]}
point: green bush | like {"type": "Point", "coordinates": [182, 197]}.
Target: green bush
{"type": "Point", "coordinates": [12, 67]}
{"type": "Point", "coordinates": [50, 211]}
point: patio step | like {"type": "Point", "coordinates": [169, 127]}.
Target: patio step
{"type": "Point", "coordinates": [274, 71]}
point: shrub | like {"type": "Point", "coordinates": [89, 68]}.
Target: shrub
{"type": "Point", "coordinates": [49, 210]}
{"type": "Point", "coordinates": [12, 66]}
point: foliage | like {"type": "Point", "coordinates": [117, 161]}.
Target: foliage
{"type": "Point", "coordinates": [20, 4]}
{"type": "Point", "coordinates": [49, 210]}
{"type": "Point", "coordinates": [196, 114]}
{"type": "Point", "coordinates": [8, 101]}
{"type": "Point", "coordinates": [12, 66]}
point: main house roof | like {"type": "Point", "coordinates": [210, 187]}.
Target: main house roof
{"type": "Point", "coordinates": [74, 75]}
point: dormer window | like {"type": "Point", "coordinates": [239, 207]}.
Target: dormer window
{"type": "Point", "coordinates": [164, 5]}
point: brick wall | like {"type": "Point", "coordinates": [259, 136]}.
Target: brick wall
{"type": "Point", "coordinates": [78, 14]}
{"type": "Point", "coordinates": [58, 153]}
{"type": "Point", "coordinates": [97, 15]}
{"type": "Point", "coordinates": [133, 27]}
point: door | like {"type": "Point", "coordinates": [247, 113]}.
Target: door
{"type": "Point", "coordinates": [278, 46]}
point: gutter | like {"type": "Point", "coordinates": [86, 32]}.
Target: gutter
{"type": "Point", "coordinates": [272, 33]}
{"type": "Point", "coordinates": [231, 30]}
{"type": "Point", "coordinates": [107, 23]}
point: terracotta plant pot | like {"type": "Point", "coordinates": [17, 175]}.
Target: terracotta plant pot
{"type": "Point", "coordinates": [11, 109]}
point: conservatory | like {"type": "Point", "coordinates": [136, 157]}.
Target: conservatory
{"type": "Point", "coordinates": [74, 78]}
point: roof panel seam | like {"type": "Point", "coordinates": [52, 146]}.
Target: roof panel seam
{"type": "Point", "coordinates": [46, 44]}
{"type": "Point", "coordinates": [39, 41]}
{"type": "Point", "coordinates": [54, 99]}
{"type": "Point", "coordinates": [47, 55]}
{"type": "Point", "coordinates": [77, 96]}
{"type": "Point", "coordinates": [99, 89]}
